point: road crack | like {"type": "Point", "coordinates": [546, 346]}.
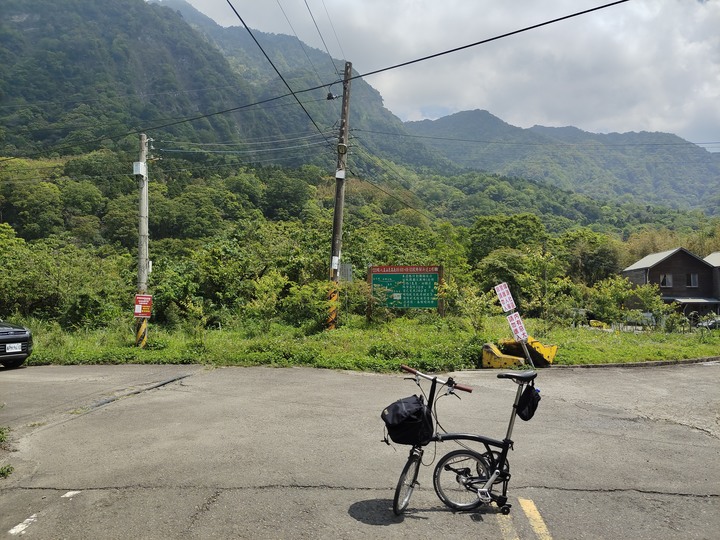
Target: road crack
{"type": "Point", "coordinates": [204, 508]}
{"type": "Point", "coordinates": [625, 490]}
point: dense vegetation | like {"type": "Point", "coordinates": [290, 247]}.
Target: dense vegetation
{"type": "Point", "coordinates": [234, 243]}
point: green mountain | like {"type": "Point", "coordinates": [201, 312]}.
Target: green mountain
{"type": "Point", "coordinates": [648, 168]}
{"type": "Point", "coordinates": [79, 75]}
{"type": "Point", "coordinates": [376, 134]}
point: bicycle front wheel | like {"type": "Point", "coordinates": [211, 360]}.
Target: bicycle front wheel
{"type": "Point", "coordinates": [457, 478]}
{"type": "Point", "coordinates": [406, 483]}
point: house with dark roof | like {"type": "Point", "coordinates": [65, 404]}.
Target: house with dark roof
{"type": "Point", "coordinates": [684, 279]}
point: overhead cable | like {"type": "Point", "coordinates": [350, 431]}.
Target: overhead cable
{"type": "Point", "coordinates": [275, 68]}
{"type": "Point", "coordinates": [337, 71]}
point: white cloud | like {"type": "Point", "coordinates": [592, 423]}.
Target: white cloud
{"type": "Point", "coordinates": [644, 65]}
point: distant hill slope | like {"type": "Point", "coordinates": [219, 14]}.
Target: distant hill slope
{"type": "Point", "coordinates": [376, 133]}
{"type": "Point", "coordinates": [84, 71]}
{"type": "Point", "coordinates": [78, 74]}
{"type": "Point", "coordinates": [652, 168]}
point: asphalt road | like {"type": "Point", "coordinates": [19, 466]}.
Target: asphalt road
{"type": "Point", "coordinates": [158, 452]}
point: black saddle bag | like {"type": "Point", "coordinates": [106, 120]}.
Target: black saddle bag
{"type": "Point", "coordinates": [528, 402]}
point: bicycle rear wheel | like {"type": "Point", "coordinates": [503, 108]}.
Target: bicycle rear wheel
{"type": "Point", "coordinates": [407, 482]}
{"type": "Point", "coordinates": [457, 478]}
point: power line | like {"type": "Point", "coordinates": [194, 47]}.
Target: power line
{"type": "Point", "coordinates": [275, 68]}
{"type": "Point", "coordinates": [337, 71]}
{"type": "Point", "coordinates": [248, 142]}
{"type": "Point", "coordinates": [333, 29]}
{"type": "Point", "coordinates": [391, 195]}
{"type": "Point", "coordinates": [302, 46]}
{"type": "Point", "coordinates": [585, 145]}
{"type": "Point", "coordinates": [241, 152]}
{"type": "Point", "coordinates": [489, 40]}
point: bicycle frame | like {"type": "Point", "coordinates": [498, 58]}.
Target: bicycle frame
{"type": "Point", "coordinates": [496, 451]}
{"type": "Point", "coordinates": [497, 463]}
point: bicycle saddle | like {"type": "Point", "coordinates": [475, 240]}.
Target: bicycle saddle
{"type": "Point", "coordinates": [518, 376]}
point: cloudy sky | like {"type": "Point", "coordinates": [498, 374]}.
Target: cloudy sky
{"type": "Point", "coordinates": [643, 65]}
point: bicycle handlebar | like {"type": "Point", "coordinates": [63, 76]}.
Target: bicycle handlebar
{"type": "Point", "coordinates": [449, 382]}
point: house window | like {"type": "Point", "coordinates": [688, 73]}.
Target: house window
{"type": "Point", "coordinates": [691, 280]}
{"type": "Point", "coordinates": [666, 280]}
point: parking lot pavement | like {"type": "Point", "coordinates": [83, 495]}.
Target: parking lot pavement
{"type": "Point", "coordinates": [196, 452]}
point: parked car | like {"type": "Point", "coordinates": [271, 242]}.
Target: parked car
{"type": "Point", "coordinates": [710, 324]}
{"type": "Point", "coordinates": [16, 344]}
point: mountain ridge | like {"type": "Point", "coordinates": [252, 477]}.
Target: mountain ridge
{"type": "Point", "coordinates": [651, 167]}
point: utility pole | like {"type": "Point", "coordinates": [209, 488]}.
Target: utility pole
{"type": "Point", "coordinates": [342, 149]}
{"type": "Point", "coordinates": [140, 170]}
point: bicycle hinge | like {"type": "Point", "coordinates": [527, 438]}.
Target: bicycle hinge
{"type": "Point", "coordinates": [484, 495]}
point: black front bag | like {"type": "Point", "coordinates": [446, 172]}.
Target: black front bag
{"type": "Point", "coordinates": [408, 421]}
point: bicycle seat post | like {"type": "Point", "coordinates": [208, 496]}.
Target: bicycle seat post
{"type": "Point", "coordinates": [511, 424]}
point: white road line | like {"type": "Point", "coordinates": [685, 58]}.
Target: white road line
{"type": "Point", "coordinates": [20, 529]}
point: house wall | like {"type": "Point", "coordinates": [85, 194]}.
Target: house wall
{"type": "Point", "coordinates": [679, 265]}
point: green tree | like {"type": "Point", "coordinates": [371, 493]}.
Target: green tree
{"type": "Point", "coordinates": [81, 198]}
{"type": "Point", "coordinates": [507, 265]}
{"type": "Point", "coordinates": [608, 299]}
{"type": "Point", "coordinates": [120, 222]}
{"type": "Point", "coordinates": [285, 197]}
{"type": "Point", "coordinates": [504, 231]}
{"type": "Point", "coordinates": [38, 209]}
{"type": "Point", "coordinates": [107, 170]}
{"type": "Point", "coordinates": [199, 212]}
{"type": "Point", "coordinates": [589, 256]}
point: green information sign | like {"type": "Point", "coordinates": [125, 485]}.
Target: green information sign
{"type": "Point", "coordinates": [406, 287]}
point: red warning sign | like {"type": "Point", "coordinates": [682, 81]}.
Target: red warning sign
{"type": "Point", "coordinates": [143, 305]}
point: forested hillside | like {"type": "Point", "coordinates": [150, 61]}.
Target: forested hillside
{"type": "Point", "coordinates": [376, 132]}
{"type": "Point", "coordinates": [80, 75]}
{"type": "Point", "coordinates": [653, 168]}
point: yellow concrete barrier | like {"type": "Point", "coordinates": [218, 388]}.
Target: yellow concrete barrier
{"type": "Point", "coordinates": [541, 355]}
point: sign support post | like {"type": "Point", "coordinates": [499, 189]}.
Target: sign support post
{"type": "Point", "coordinates": [514, 320]}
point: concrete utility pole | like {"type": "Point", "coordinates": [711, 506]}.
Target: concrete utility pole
{"type": "Point", "coordinates": [141, 176]}
{"type": "Point", "coordinates": [140, 170]}
{"type": "Point", "coordinates": [342, 149]}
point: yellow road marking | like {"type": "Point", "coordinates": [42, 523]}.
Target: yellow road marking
{"type": "Point", "coordinates": [536, 520]}
{"type": "Point", "coordinates": [507, 528]}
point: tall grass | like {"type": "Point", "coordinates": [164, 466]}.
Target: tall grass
{"type": "Point", "coordinates": [425, 341]}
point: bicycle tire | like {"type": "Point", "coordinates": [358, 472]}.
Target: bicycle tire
{"type": "Point", "coordinates": [458, 476]}
{"type": "Point", "coordinates": [406, 483]}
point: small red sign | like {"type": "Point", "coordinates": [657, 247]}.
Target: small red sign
{"type": "Point", "coordinates": [143, 305]}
